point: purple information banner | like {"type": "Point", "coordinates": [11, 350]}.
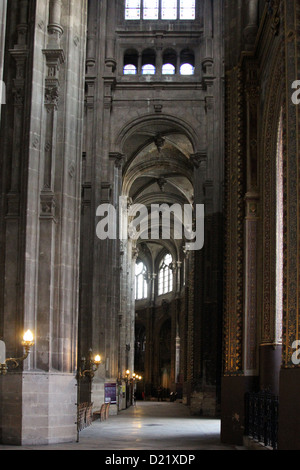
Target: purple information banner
{"type": "Point", "coordinates": [111, 393]}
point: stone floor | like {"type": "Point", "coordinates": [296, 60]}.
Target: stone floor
{"type": "Point", "coordinates": [147, 426]}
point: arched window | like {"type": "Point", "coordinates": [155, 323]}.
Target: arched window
{"type": "Point", "coordinates": [165, 275]}
{"type": "Point", "coordinates": [130, 62]}
{"type": "Point", "coordinates": [141, 286]}
{"type": "Point", "coordinates": [130, 69]}
{"type": "Point", "coordinates": [186, 69]}
{"type": "Point", "coordinates": [148, 69]}
{"type": "Point", "coordinates": [168, 69]}
{"type": "Point", "coordinates": [149, 62]}
{"type": "Point", "coordinates": [187, 62]}
{"type": "Point", "coordinates": [169, 62]}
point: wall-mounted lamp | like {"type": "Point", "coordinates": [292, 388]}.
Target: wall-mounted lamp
{"type": "Point", "coordinates": [89, 367]}
{"type": "Point", "coordinates": [27, 343]}
{"type": "Point", "coordinates": [136, 376]}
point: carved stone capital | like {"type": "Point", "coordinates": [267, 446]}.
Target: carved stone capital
{"type": "Point", "coordinates": [199, 160]}
{"type": "Point", "coordinates": [54, 58]}
{"type": "Point", "coordinates": [251, 201]}
{"type": "Point", "coordinates": [118, 159]}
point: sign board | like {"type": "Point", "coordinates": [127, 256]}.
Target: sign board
{"type": "Point", "coordinates": [2, 352]}
{"type": "Point", "coordinates": [111, 393]}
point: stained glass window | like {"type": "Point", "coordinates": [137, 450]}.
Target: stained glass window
{"type": "Point", "coordinates": [169, 9]}
{"type": "Point", "coordinates": [187, 9]}
{"type": "Point", "coordinates": [132, 9]}
{"type": "Point", "coordinates": [151, 9]}
{"type": "Point", "coordinates": [160, 9]}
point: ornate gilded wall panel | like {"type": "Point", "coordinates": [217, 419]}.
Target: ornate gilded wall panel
{"type": "Point", "coordinates": [291, 315]}
{"type": "Point", "coordinates": [269, 152]}
{"type": "Point", "coordinates": [234, 203]}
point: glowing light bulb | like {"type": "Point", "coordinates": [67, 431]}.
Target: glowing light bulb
{"type": "Point", "coordinates": [28, 337]}
{"type": "Point", "coordinates": [97, 359]}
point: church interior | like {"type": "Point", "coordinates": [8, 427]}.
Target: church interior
{"type": "Point", "coordinates": [117, 118]}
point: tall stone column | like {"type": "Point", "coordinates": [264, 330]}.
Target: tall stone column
{"type": "Point", "coordinates": [43, 202]}
{"type": "Point", "coordinates": [3, 7]}
{"type": "Point", "coordinates": [54, 57]}
{"type": "Point", "coordinates": [88, 205]}
{"type": "Point", "coordinates": [251, 27]}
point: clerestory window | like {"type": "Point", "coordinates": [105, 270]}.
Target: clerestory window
{"type": "Point", "coordinates": [132, 9]}
{"type": "Point", "coordinates": [150, 9]}
{"type": "Point", "coordinates": [165, 275]}
{"type": "Point", "coordinates": [168, 69]}
{"type": "Point", "coordinates": [130, 69]}
{"type": "Point", "coordinates": [130, 62]}
{"type": "Point", "coordinates": [141, 286]}
{"type": "Point", "coordinates": [160, 9]}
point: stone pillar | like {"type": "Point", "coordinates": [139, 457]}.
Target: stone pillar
{"type": "Point", "coordinates": [208, 53]}
{"type": "Point", "coordinates": [91, 37]}
{"type": "Point", "coordinates": [3, 7]}
{"type": "Point", "coordinates": [110, 60]}
{"type": "Point", "coordinates": [251, 27]}
{"type": "Point", "coordinates": [54, 57]}
{"type": "Point", "coordinates": [41, 268]}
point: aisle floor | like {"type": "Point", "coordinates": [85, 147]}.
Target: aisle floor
{"type": "Point", "coordinates": [147, 426]}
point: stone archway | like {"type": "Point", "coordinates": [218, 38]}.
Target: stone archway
{"type": "Point", "coordinates": [158, 171]}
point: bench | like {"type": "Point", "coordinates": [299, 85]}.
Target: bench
{"type": "Point", "coordinates": [103, 413]}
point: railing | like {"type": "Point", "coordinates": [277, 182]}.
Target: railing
{"type": "Point", "coordinates": [262, 418]}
